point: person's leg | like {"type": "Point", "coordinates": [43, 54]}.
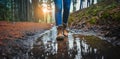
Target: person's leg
{"type": "Point", "coordinates": [66, 11]}
{"type": "Point", "coordinates": [58, 19]}
{"type": "Point", "coordinates": [58, 12]}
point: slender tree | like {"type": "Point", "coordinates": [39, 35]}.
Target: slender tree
{"type": "Point", "coordinates": [81, 4]}
{"type": "Point", "coordinates": [49, 3]}
{"type": "Point", "coordinates": [35, 4]}
{"type": "Point", "coordinates": [74, 5]}
{"type": "Point", "coordinates": [98, 1]}
{"type": "Point", "coordinates": [88, 3]}
{"type": "Point", "coordinates": [2, 12]}
{"type": "Point", "coordinates": [92, 2]}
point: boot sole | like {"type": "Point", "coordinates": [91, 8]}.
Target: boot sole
{"type": "Point", "coordinates": [60, 38]}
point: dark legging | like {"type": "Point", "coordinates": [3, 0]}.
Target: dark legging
{"type": "Point", "coordinates": [58, 11]}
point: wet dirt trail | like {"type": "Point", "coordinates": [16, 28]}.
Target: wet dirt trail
{"type": "Point", "coordinates": [75, 46]}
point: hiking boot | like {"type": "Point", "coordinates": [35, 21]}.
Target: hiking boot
{"type": "Point", "coordinates": [60, 35]}
{"type": "Point", "coordinates": [65, 31]}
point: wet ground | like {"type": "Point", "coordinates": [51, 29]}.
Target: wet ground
{"type": "Point", "coordinates": [75, 46]}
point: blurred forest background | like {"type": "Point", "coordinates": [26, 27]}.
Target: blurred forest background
{"type": "Point", "coordinates": [35, 10]}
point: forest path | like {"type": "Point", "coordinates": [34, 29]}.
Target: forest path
{"type": "Point", "coordinates": [43, 45]}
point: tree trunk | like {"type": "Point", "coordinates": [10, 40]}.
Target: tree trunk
{"type": "Point", "coordinates": [81, 4]}
{"type": "Point", "coordinates": [88, 3]}
{"type": "Point", "coordinates": [74, 5]}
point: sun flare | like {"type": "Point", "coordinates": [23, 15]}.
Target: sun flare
{"type": "Point", "coordinates": [45, 8]}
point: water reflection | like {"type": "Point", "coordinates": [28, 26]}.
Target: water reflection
{"type": "Point", "coordinates": [70, 48]}
{"type": "Point", "coordinates": [70, 41]}
{"type": "Point", "coordinates": [79, 55]}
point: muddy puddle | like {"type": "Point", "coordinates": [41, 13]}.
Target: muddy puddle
{"type": "Point", "coordinates": [75, 46]}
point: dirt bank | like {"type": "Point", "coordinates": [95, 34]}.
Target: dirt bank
{"type": "Point", "coordinates": [102, 18]}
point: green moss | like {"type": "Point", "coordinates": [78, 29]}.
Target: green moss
{"type": "Point", "coordinates": [103, 11]}
{"type": "Point", "coordinates": [71, 19]}
{"type": "Point", "coordinates": [96, 10]}
{"type": "Point", "coordinates": [111, 6]}
{"type": "Point", "coordinates": [89, 10]}
{"type": "Point", "coordinates": [116, 16]}
{"type": "Point", "coordinates": [93, 10]}
{"type": "Point", "coordinates": [92, 20]}
{"type": "Point", "coordinates": [80, 15]}
{"type": "Point", "coordinates": [105, 15]}
{"type": "Point", "coordinates": [96, 42]}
